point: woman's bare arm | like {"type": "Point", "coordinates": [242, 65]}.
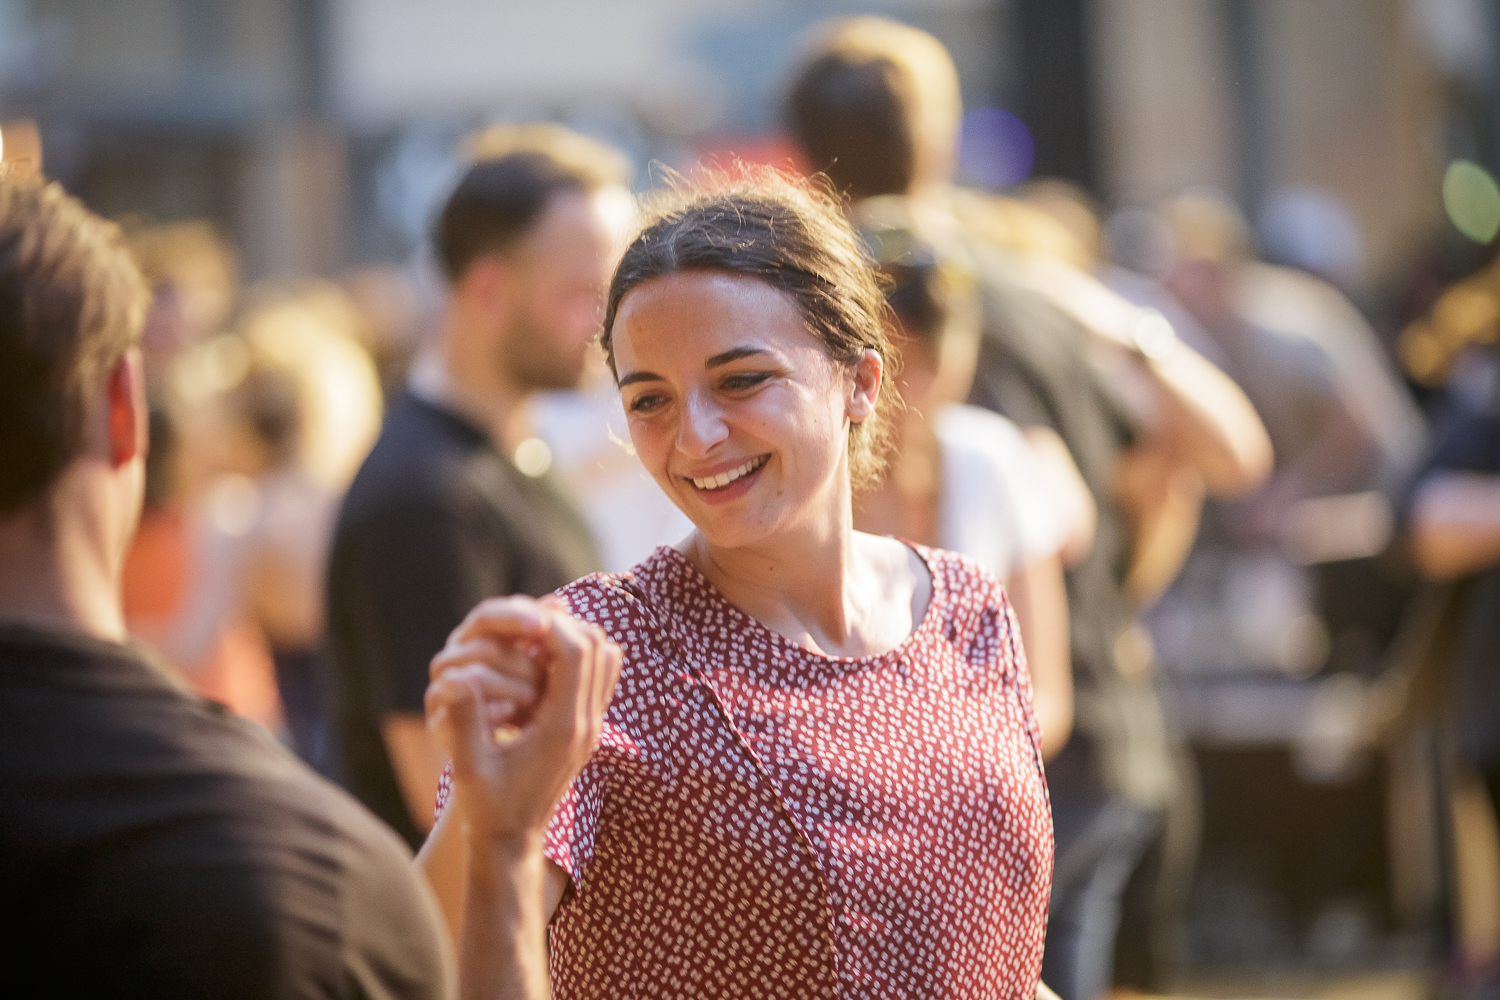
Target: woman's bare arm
{"type": "Point", "coordinates": [1194, 407]}
{"type": "Point", "coordinates": [443, 861]}
{"type": "Point", "coordinates": [1163, 498]}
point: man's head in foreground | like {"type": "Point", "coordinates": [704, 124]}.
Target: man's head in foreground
{"type": "Point", "coordinates": [526, 242]}
{"type": "Point", "coordinates": [72, 409]}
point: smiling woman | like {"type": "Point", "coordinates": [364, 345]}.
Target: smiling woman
{"type": "Point", "coordinates": [813, 257]}
{"type": "Point", "coordinates": [820, 774]}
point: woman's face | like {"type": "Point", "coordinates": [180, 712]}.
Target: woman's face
{"type": "Point", "coordinates": [734, 406]}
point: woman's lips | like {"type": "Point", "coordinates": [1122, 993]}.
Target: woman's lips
{"type": "Point", "coordinates": [737, 481]}
{"type": "Point", "coordinates": [725, 478]}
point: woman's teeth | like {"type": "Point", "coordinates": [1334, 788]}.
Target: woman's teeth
{"type": "Point", "coordinates": [725, 478]}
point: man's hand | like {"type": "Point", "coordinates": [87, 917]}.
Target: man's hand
{"type": "Point", "coordinates": [518, 698]}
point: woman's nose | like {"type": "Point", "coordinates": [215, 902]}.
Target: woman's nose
{"type": "Point", "coordinates": [702, 426]}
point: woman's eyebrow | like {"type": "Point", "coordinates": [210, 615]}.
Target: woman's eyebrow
{"type": "Point", "coordinates": [733, 354]}
{"type": "Point", "coordinates": [722, 358]}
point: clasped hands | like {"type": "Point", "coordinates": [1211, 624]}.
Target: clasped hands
{"type": "Point", "coordinates": [517, 699]}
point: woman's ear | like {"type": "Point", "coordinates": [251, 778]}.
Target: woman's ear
{"type": "Point", "coordinates": [865, 379]}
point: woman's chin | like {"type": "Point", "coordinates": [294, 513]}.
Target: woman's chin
{"type": "Point", "coordinates": [732, 532]}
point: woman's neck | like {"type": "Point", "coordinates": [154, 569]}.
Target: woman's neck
{"type": "Point", "coordinates": [828, 588]}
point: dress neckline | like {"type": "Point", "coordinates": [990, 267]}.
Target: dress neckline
{"type": "Point", "coordinates": [734, 620]}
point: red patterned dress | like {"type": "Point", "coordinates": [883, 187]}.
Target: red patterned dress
{"type": "Point", "coordinates": [763, 821]}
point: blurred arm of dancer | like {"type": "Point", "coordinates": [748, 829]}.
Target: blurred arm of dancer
{"type": "Point", "coordinates": [1456, 524]}
{"type": "Point", "coordinates": [1163, 499]}
{"type": "Point", "coordinates": [219, 559]}
{"type": "Point", "coordinates": [1188, 405]}
{"type": "Point", "coordinates": [417, 761]}
{"type": "Point", "coordinates": [528, 666]}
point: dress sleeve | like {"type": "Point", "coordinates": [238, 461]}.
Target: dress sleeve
{"type": "Point", "coordinates": [570, 833]}
{"type": "Point", "coordinates": [444, 792]}
{"type": "Point", "coordinates": [575, 824]}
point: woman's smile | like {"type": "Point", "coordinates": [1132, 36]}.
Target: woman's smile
{"type": "Point", "coordinates": [712, 481]}
{"type": "Point", "coordinates": [724, 486]}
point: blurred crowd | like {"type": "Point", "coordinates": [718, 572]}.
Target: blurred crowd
{"type": "Point", "coordinates": [1192, 447]}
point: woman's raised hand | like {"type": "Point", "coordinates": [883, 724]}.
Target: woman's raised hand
{"type": "Point", "coordinates": [517, 698]}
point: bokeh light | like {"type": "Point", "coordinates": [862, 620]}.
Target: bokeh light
{"type": "Point", "coordinates": [996, 147]}
{"type": "Point", "coordinates": [1472, 199]}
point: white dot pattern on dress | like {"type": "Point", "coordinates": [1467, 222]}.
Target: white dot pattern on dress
{"type": "Point", "coordinates": [763, 821]}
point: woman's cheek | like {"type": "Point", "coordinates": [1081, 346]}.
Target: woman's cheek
{"type": "Point", "coordinates": [651, 445]}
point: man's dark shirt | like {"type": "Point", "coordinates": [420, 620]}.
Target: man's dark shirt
{"type": "Point", "coordinates": [1472, 444]}
{"type": "Point", "coordinates": [436, 521]}
{"type": "Point", "coordinates": [151, 845]}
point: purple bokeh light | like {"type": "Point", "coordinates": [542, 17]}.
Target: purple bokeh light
{"type": "Point", "coordinates": [995, 147]}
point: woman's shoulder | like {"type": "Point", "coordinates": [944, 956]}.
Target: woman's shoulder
{"type": "Point", "coordinates": [972, 611]}
{"type": "Point", "coordinates": [983, 453]}
{"type": "Point", "coordinates": [628, 605]}
{"type": "Point", "coordinates": [960, 580]}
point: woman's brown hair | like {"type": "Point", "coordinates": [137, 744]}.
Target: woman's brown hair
{"type": "Point", "coordinates": [790, 233]}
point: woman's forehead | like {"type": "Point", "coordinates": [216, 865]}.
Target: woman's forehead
{"type": "Point", "coordinates": [683, 315]}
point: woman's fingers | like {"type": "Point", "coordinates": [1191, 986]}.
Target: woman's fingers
{"type": "Point", "coordinates": [496, 689]}
{"type": "Point", "coordinates": [571, 648]}
{"type": "Point", "coordinates": [456, 719]}
{"type": "Point", "coordinates": [517, 618]}
{"type": "Point", "coordinates": [609, 676]}
{"type": "Point", "coordinates": [506, 663]}
{"type": "Point", "coordinates": [583, 665]}
{"type": "Point", "coordinates": [528, 663]}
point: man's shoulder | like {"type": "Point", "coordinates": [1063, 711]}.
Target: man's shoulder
{"type": "Point", "coordinates": [425, 462]}
{"type": "Point", "coordinates": [139, 809]}
{"type": "Point", "coordinates": [419, 445]}
{"type": "Point", "coordinates": [96, 730]}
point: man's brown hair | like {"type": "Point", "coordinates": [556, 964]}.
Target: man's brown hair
{"type": "Point", "coordinates": [872, 97]}
{"type": "Point", "coordinates": [71, 304]}
{"type": "Point", "coordinates": [515, 171]}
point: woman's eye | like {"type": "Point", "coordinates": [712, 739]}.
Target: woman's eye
{"type": "Point", "coordinates": [747, 380]}
{"type": "Point", "coordinates": [644, 404]}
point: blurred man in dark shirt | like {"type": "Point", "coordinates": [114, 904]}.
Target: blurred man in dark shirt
{"type": "Point", "coordinates": [454, 504]}
{"type": "Point", "coordinates": [150, 845]}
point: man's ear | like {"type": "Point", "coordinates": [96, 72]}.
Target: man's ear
{"type": "Point", "coordinates": [486, 283]}
{"type": "Point", "coordinates": [864, 385]}
{"type": "Point", "coordinates": [128, 418]}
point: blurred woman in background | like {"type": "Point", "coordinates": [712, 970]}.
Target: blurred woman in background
{"type": "Point", "coordinates": [282, 411]}
{"type": "Point", "coordinates": [964, 478]}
